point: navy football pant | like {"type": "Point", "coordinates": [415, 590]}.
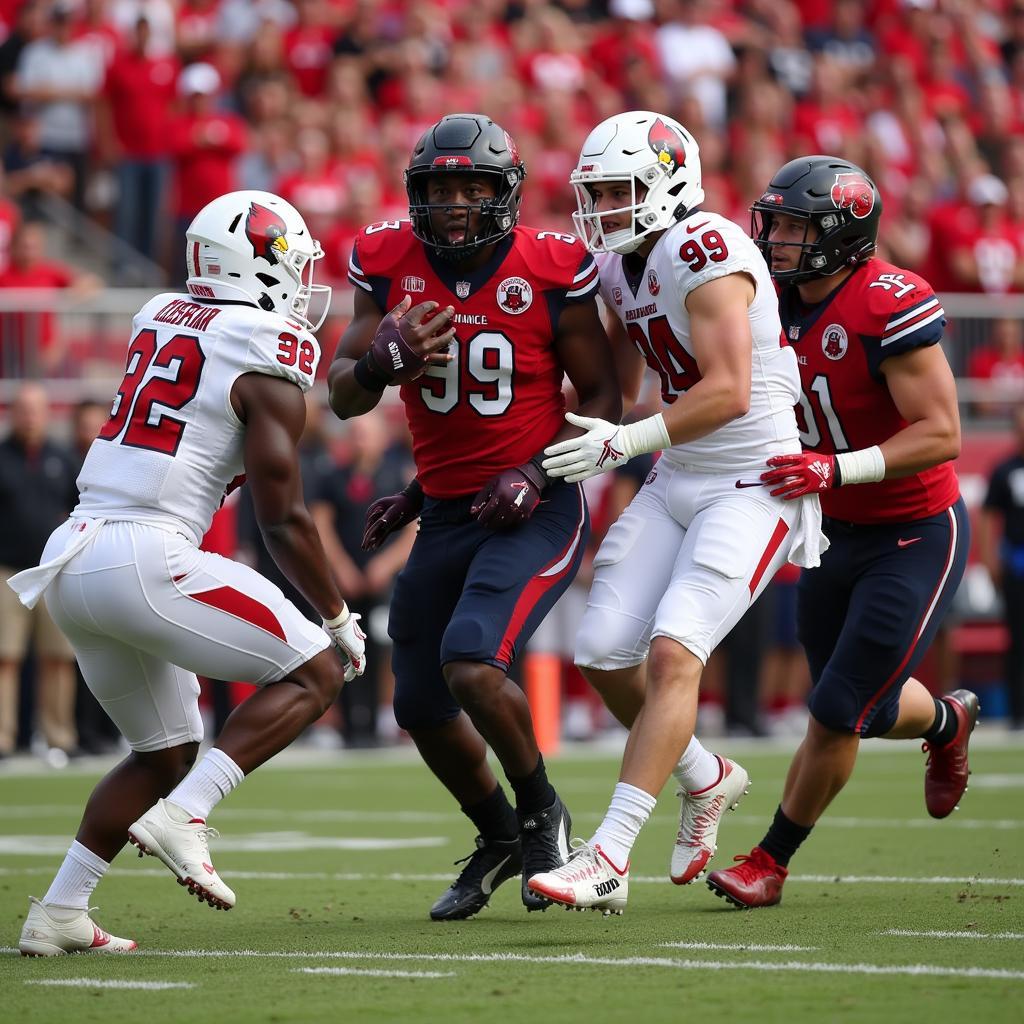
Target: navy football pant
{"type": "Point", "coordinates": [472, 594]}
{"type": "Point", "coordinates": [867, 616]}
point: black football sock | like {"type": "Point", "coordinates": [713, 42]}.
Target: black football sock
{"type": "Point", "coordinates": [943, 728]}
{"type": "Point", "coordinates": [494, 817]}
{"type": "Point", "coordinates": [533, 792]}
{"type": "Point", "coordinates": [784, 837]}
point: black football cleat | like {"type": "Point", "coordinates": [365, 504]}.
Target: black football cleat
{"type": "Point", "coordinates": [545, 839]}
{"type": "Point", "coordinates": [491, 863]}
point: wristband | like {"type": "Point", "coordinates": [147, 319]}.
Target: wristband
{"type": "Point", "coordinates": [368, 376]}
{"type": "Point", "coordinates": [866, 466]}
{"type": "Point", "coordinates": [414, 490]}
{"type": "Point", "coordinates": [648, 435]}
{"type": "Point", "coordinates": [338, 620]}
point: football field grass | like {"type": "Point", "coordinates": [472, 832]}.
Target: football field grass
{"type": "Point", "coordinates": [887, 915]}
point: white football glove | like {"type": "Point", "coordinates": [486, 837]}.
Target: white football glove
{"type": "Point", "coordinates": [604, 446]}
{"type": "Point", "coordinates": [350, 641]}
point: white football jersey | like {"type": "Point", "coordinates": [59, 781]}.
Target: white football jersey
{"type": "Point", "coordinates": [173, 443]}
{"type": "Point", "coordinates": [652, 307]}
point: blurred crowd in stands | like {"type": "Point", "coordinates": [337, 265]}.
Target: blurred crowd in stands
{"type": "Point", "coordinates": [138, 112]}
{"type": "Point", "coordinates": [135, 113]}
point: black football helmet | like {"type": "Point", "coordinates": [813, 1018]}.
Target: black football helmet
{"type": "Point", "coordinates": [838, 198]}
{"type": "Point", "coordinates": [462, 144]}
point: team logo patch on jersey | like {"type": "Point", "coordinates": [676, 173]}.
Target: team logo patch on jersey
{"type": "Point", "coordinates": [413, 284]}
{"type": "Point", "coordinates": [667, 146]}
{"type": "Point", "coordinates": [462, 289]}
{"type": "Point", "coordinates": [617, 296]}
{"type": "Point", "coordinates": [266, 231]}
{"type": "Point", "coordinates": [851, 192]}
{"type": "Point", "coordinates": [515, 295]}
{"type": "Point", "coordinates": [653, 284]}
{"type": "Point", "coordinates": [834, 341]}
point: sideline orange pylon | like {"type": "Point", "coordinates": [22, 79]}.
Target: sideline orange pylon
{"type": "Point", "coordinates": [543, 676]}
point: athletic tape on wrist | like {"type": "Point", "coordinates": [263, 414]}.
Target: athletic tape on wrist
{"type": "Point", "coordinates": [861, 467]}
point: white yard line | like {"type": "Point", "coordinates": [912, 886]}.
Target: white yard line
{"type": "Point", "coordinates": [286, 816]}
{"type": "Point", "coordinates": [445, 876]}
{"type": "Point", "coordinates": [907, 933]}
{"type": "Point", "coordinates": [370, 972]}
{"type": "Point", "coordinates": [255, 842]}
{"type": "Point", "coordinates": [581, 960]}
{"type": "Point", "coordinates": [149, 986]}
{"type": "Point", "coordinates": [746, 947]}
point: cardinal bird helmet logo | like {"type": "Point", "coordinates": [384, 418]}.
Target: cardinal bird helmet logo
{"type": "Point", "coordinates": [266, 231]}
{"type": "Point", "coordinates": [851, 192]}
{"type": "Point", "coordinates": [667, 146]}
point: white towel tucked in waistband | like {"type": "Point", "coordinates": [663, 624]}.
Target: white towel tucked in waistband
{"type": "Point", "coordinates": [30, 584]}
{"type": "Point", "coordinates": [809, 543]}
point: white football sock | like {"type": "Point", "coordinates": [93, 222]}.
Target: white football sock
{"type": "Point", "coordinates": [78, 876]}
{"type": "Point", "coordinates": [697, 769]}
{"type": "Point", "coordinates": [207, 784]}
{"type": "Point", "coordinates": [629, 809]}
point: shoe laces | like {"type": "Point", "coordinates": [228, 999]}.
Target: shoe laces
{"type": "Point", "coordinates": [583, 862]}
{"type": "Point", "coordinates": [753, 866]}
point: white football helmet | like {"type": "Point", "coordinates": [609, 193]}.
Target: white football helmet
{"type": "Point", "coordinates": [648, 150]}
{"type": "Point", "coordinates": [254, 247]}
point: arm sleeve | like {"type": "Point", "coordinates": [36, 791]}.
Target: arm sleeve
{"type": "Point", "coordinates": [373, 284]}
{"type": "Point", "coordinates": [916, 321]}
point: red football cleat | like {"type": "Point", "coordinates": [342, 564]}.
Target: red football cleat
{"type": "Point", "coordinates": [945, 774]}
{"type": "Point", "coordinates": [755, 882]}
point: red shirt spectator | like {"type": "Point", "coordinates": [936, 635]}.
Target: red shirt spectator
{"type": "Point", "coordinates": [309, 49]}
{"type": "Point", "coordinates": [27, 340]}
{"type": "Point", "coordinates": [204, 142]}
{"type": "Point", "coordinates": [140, 91]}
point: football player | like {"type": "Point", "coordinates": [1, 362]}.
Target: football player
{"type": "Point", "coordinates": [487, 317]}
{"type": "Point", "coordinates": [213, 389]}
{"type": "Point", "coordinates": [702, 538]}
{"type": "Point", "coordinates": [880, 426]}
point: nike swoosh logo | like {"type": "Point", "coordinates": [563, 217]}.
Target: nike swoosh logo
{"type": "Point", "coordinates": [750, 483]}
{"type": "Point", "coordinates": [692, 228]}
{"type": "Point", "coordinates": [563, 841]}
{"type": "Point", "coordinates": [487, 882]}
{"type": "Point", "coordinates": [901, 543]}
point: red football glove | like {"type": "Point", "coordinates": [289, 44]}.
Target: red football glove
{"type": "Point", "coordinates": [510, 498]}
{"type": "Point", "coordinates": [388, 514]}
{"type": "Point", "coordinates": [797, 475]}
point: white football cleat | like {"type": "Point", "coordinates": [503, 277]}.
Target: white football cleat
{"type": "Point", "coordinates": [588, 880]}
{"type": "Point", "coordinates": [183, 847]}
{"type": "Point", "coordinates": [699, 817]}
{"type": "Point", "coordinates": [54, 931]}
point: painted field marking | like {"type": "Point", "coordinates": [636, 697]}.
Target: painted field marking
{"type": "Point", "coordinates": [256, 842]}
{"type": "Point", "coordinates": [998, 781]}
{"type": "Point", "coordinates": [748, 947]}
{"type": "Point", "coordinates": [147, 986]}
{"type": "Point", "coordinates": [370, 972]}
{"type": "Point", "coordinates": [398, 876]}
{"type": "Point", "coordinates": [581, 960]}
{"type": "Point", "coordinates": [907, 933]}
{"type": "Point", "coordinates": [407, 817]}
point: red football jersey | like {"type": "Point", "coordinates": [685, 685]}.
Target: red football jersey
{"type": "Point", "coordinates": [499, 402]}
{"type": "Point", "coordinates": [877, 312]}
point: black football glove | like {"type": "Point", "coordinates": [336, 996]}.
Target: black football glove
{"type": "Point", "coordinates": [388, 514]}
{"type": "Point", "coordinates": [510, 498]}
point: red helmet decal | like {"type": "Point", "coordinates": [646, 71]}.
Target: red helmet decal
{"type": "Point", "coordinates": [667, 145]}
{"type": "Point", "coordinates": [854, 193]}
{"type": "Point", "coordinates": [266, 231]}
{"type": "Point", "coordinates": [513, 149]}
{"type": "Point", "coordinates": [452, 161]}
